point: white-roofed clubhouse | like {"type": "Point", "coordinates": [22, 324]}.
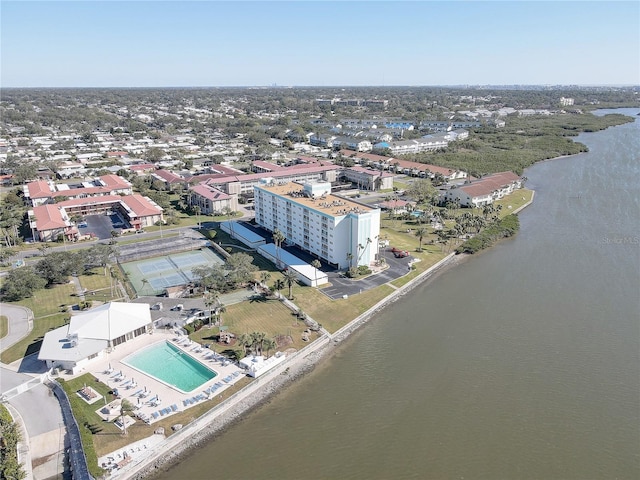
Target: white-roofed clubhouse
{"type": "Point", "coordinates": [89, 335]}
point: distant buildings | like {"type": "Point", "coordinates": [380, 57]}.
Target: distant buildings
{"type": "Point", "coordinates": [342, 232]}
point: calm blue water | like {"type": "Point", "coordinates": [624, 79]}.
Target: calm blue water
{"type": "Point", "coordinates": [521, 363]}
{"type": "Point", "coordinates": [171, 366]}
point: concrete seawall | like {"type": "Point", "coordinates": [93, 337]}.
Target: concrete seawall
{"type": "Point", "coordinates": [261, 389]}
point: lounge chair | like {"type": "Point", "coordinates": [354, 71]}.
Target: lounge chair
{"type": "Point", "coordinates": [174, 407]}
{"type": "Point", "coordinates": [162, 412]}
{"type": "Point", "coordinates": [155, 414]}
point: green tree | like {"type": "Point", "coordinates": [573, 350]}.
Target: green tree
{"type": "Point", "coordinates": [211, 299]}
{"type": "Point", "coordinates": [316, 264]}
{"type": "Point", "coordinates": [22, 283]}
{"type": "Point", "coordinates": [422, 191]}
{"type": "Point", "coordinates": [278, 238]}
{"type": "Point", "coordinates": [421, 232]}
{"type": "Point", "coordinates": [264, 277]}
{"type": "Point", "coordinates": [278, 285]}
{"type": "Point", "coordinates": [241, 268]}
{"type": "Point", "coordinates": [56, 267]}
{"type": "Point", "coordinates": [290, 278]}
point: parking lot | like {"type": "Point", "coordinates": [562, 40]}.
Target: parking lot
{"type": "Point", "coordinates": [102, 225]}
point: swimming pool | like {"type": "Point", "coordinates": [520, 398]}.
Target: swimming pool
{"type": "Point", "coordinates": [171, 366]}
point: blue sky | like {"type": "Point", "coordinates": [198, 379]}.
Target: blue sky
{"type": "Point", "coordinates": [323, 43]}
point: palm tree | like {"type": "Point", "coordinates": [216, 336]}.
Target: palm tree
{"type": "Point", "coordinates": [278, 238]}
{"type": "Point", "coordinates": [264, 277]}
{"type": "Point", "coordinates": [278, 285]}
{"type": "Point", "coordinates": [349, 258]}
{"type": "Point", "coordinates": [220, 309]}
{"type": "Point", "coordinates": [245, 341]}
{"type": "Point", "coordinates": [210, 300]}
{"type": "Point", "coordinates": [316, 264]}
{"type": "Point", "coordinates": [421, 232]}
{"type": "Point", "coordinates": [197, 210]}
{"type": "Point", "coordinates": [290, 278]}
{"type": "Point", "coordinates": [258, 341]}
{"type": "Point", "coordinates": [269, 344]}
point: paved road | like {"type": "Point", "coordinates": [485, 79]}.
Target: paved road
{"type": "Point", "coordinates": [20, 324]}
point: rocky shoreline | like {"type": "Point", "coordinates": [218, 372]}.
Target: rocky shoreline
{"type": "Point", "coordinates": [204, 429]}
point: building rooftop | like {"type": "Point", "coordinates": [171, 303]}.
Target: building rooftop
{"type": "Point", "coordinates": [327, 204]}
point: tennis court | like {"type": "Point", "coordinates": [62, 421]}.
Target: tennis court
{"type": "Point", "coordinates": [152, 275]}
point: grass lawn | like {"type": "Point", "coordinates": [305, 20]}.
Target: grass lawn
{"type": "Point", "coordinates": [31, 343]}
{"type": "Point", "coordinates": [109, 438]}
{"type": "Point", "coordinates": [131, 239]}
{"type": "Point", "coordinates": [515, 200]}
{"type": "Point", "coordinates": [268, 316]}
{"type": "Point", "coordinates": [334, 314]}
{"type": "Point", "coordinates": [49, 300]}
{"type": "Point", "coordinates": [4, 326]}
{"type": "Point", "coordinates": [98, 287]}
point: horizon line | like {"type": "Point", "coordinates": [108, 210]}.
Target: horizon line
{"type": "Point", "coordinates": [274, 86]}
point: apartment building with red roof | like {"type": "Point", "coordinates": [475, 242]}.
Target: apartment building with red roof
{"type": "Point", "coordinates": [211, 200]}
{"type": "Point", "coordinates": [485, 190]}
{"type": "Point", "coordinates": [41, 192]}
{"type": "Point", "coordinates": [51, 220]}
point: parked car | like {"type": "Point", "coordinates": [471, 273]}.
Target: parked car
{"type": "Point", "coordinates": [82, 224]}
{"type": "Point", "coordinates": [401, 253]}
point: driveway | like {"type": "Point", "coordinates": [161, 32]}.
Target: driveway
{"type": "Point", "coordinates": [341, 286]}
{"type": "Point", "coordinates": [20, 323]}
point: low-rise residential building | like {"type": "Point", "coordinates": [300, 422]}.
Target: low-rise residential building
{"type": "Point", "coordinates": [211, 200]}
{"type": "Point", "coordinates": [485, 190]}
{"type": "Point", "coordinates": [418, 145]}
{"type": "Point", "coordinates": [340, 231]}
{"type": "Point", "coordinates": [41, 192]}
{"type": "Point", "coordinates": [49, 221]}
{"type": "Point", "coordinates": [368, 179]}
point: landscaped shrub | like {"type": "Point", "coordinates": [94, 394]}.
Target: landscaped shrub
{"type": "Point", "coordinates": [506, 227]}
{"type": "Point", "coordinates": [9, 438]}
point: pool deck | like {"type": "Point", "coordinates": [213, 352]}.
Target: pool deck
{"type": "Point", "coordinates": [152, 399]}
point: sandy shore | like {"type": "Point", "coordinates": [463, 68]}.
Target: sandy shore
{"type": "Point", "coordinates": [215, 422]}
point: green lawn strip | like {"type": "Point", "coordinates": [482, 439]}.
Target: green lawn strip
{"type": "Point", "coordinates": [32, 342]}
{"type": "Point", "coordinates": [89, 422]}
{"type": "Point", "coordinates": [268, 316]}
{"type": "Point", "coordinates": [334, 314]}
{"type": "Point", "coordinates": [515, 200]}
{"type": "Point", "coordinates": [98, 286]}
{"type": "Point", "coordinates": [50, 300]}
{"type": "Point", "coordinates": [110, 438]}
{"type": "Point", "coordinates": [4, 326]}
{"type": "Point", "coordinates": [131, 239]}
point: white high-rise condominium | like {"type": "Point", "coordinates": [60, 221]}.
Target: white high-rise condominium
{"type": "Point", "coordinates": [342, 232]}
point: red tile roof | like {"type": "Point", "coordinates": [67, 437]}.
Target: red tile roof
{"type": "Point", "coordinates": [138, 204]}
{"type": "Point", "coordinates": [490, 183]}
{"type": "Point", "coordinates": [48, 217]}
{"type": "Point", "coordinates": [39, 189]}
{"type": "Point", "coordinates": [115, 181]}
{"type": "Point", "coordinates": [141, 206]}
{"type": "Point", "coordinates": [168, 176]}
{"type": "Point", "coordinates": [209, 192]}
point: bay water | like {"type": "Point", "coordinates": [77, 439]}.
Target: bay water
{"type": "Point", "coordinates": [523, 362]}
